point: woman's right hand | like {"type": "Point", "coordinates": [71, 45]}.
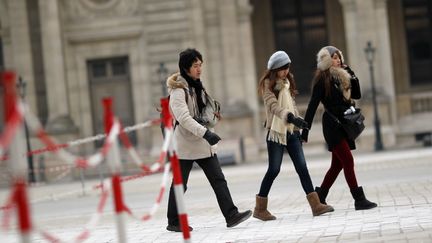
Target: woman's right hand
{"type": "Point", "coordinates": [349, 70]}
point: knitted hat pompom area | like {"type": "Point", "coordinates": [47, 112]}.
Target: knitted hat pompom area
{"type": "Point", "coordinates": [277, 60]}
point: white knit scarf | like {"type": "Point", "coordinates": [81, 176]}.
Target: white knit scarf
{"type": "Point", "coordinates": [279, 127]}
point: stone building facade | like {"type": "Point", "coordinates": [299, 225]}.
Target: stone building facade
{"type": "Point", "coordinates": [74, 53]}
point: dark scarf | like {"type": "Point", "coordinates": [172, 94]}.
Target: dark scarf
{"type": "Point", "coordinates": [198, 87]}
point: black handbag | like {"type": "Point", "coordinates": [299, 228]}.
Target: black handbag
{"type": "Point", "coordinates": [352, 124]}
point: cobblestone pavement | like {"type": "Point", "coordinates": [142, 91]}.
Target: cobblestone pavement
{"type": "Point", "coordinates": [399, 181]}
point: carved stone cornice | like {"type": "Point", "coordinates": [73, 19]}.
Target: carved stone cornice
{"type": "Point", "coordinates": [85, 36]}
{"type": "Point", "coordinates": [84, 10]}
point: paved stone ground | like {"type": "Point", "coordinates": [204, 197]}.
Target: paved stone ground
{"type": "Point", "coordinates": [399, 181]}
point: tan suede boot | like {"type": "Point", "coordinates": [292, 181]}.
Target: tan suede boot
{"type": "Point", "coordinates": [260, 211]}
{"type": "Point", "coordinates": [317, 207]}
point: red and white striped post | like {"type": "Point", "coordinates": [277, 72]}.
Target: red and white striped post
{"type": "Point", "coordinates": [17, 151]}
{"type": "Point", "coordinates": [177, 176]}
{"type": "Point", "coordinates": [113, 159]}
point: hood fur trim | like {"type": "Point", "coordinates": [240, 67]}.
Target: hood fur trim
{"type": "Point", "coordinates": [345, 80]}
{"type": "Point", "coordinates": [176, 81]}
{"type": "Point", "coordinates": [324, 59]}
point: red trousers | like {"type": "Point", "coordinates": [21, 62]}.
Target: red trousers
{"type": "Point", "coordinates": [341, 159]}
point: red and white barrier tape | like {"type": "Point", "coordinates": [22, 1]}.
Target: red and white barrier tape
{"type": "Point", "coordinates": [139, 162]}
{"type": "Point", "coordinates": [91, 161]}
{"type": "Point", "coordinates": [91, 224]}
{"type": "Point", "coordinates": [87, 140]}
{"type": "Point", "coordinates": [164, 184]}
{"type": "Point", "coordinates": [179, 191]}
{"type": "Point", "coordinates": [7, 210]}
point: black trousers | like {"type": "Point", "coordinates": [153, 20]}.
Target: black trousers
{"type": "Point", "coordinates": [215, 176]}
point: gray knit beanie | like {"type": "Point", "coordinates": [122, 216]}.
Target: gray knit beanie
{"type": "Point", "coordinates": [277, 60]}
{"type": "Point", "coordinates": [324, 57]}
{"type": "Point", "coordinates": [332, 50]}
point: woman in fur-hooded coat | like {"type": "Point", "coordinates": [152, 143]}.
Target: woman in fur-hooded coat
{"type": "Point", "coordinates": [335, 86]}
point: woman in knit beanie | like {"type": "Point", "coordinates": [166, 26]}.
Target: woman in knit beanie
{"type": "Point", "coordinates": [335, 86]}
{"type": "Point", "coordinates": [278, 89]}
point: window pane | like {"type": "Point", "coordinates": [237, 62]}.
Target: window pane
{"type": "Point", "coordinates": [99, 69]}
{"type": "Point", "coordinates": [119, 67]}
{"type": "Point", "coordinates": [418, 19]}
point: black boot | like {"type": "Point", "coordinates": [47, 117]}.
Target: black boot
{"type": "Point", "coordinates": [322, 194]}
{"type": "Point", "coordinates": [238, 218]}
{"type": "Point", "coordinates": [176, 228]}
{"type": "Point", "coordinates": [360, 201]}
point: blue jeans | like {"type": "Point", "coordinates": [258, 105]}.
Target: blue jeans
{"type": "Point", "coordinates": [275, 154]}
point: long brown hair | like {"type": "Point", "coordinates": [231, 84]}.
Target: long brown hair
{"type": "Point", "coordinates": [272, 76]}
{"type": "Point", "coordinates": [325, 77]}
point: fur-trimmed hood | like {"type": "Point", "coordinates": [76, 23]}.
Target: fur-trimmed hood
{"type": "Point", "coordinates": [324, 62]}
{"type": "Point", "coordinates": [176, 81]}
{"type": "Point", "coordinates": [324, 57]}
{"type": "Point", "coordinates": [345, 80]}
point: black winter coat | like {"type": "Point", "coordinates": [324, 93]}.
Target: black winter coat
{"type": "Point", "coordinates": [334, 103]}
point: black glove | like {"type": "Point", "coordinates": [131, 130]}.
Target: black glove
{"type": "Point", "coordinates": [305, 135]}
{"type": "Point", "coordinates": [211, 137]}
{"type": "Point", "coordinates": [349, 70]}
{"type": "Point", "coordinates": [297, 121]}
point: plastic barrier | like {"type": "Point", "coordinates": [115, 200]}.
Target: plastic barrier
{"type": "Point", "coordinates": [17, 162]}
{"type": "Point", "coordinates": [177, 177]}
{"type": "Point", "coordinates": [13, 140]}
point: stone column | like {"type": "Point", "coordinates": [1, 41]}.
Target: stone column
{"type": "Point", "coordinates": [248, 62]}
{"type": "Point", "coordinates": [232, 62]}
{"type": "Point", "coordinates": [18, 54]}
{"type": "Point", "coordinates": [54, 67]}
{"type": "Point", "coordinates": [353, 42]}
{"type": "Point", "coordinates": [384, 62]}
{"type": "Point", "coordinates": [367, 20]}
{"type": "Point", "coordinates": [197, 22]}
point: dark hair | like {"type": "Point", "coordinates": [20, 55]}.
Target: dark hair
{"type": "Point", "coordinates": [271, 75]}
{"type": "Point", "coordinates": [323, 76]}
{"type": "Point", "coordinates": [187, 58]}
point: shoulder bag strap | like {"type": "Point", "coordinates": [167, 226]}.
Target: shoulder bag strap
{"type": "Point", "coordinates": [332, 116]}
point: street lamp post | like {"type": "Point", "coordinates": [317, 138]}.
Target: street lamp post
{"type": "Point", "coordinates": [370, 54]}
{"type": "Point", "coordinates": [21, 85]}
{"type": "Point", "coordinates": [163, 73]}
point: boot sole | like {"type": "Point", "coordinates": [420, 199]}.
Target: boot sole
{"type": "Point", "coordinates": [366, 208]}
{"type": "Point", "coordinates": [242, 219]}
{"type": "Point", "coordinates": [331, 209]}
{"type": "Point", "coordinates": [264, 219]}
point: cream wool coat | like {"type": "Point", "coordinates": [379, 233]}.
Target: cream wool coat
{"type": "Point", "coordinates": [188, 133]}
{"type": "Point", "coordinates": [272, 107]}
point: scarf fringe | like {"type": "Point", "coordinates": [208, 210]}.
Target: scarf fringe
{"type": "Point", "coordinates": [277, 137]}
